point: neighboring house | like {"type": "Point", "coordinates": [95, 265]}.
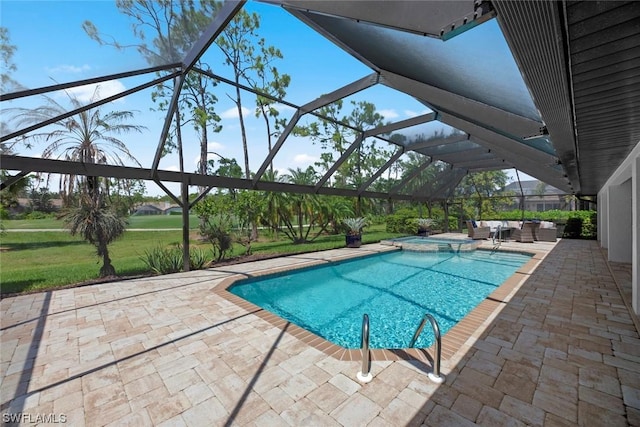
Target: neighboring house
{"type": "Point", "coordinates": [173, 210]}
{"type": "Point", "coordinates": [148, 209]}
{"type": "Point", "coordinates": [24, 203]}
{"type": "Point", "coordinates": [539, 199]}
{"type": "Point", "coordinates": [160, 208]}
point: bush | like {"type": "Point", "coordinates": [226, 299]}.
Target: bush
{"type": "Point", "coordinates": [197, 259]}
{"type": "Point", "coordinates": [403, 221]}
{"type": "Point", "coordinates": [573, 229]}
{"type": "Point", "coordinates": [39, 215]}
{"type": "Point", "coordinates": [219, 235]}
{"type": "Point", "coordinates": [163, 260]}
{"type": "Point", "coordinates": [170, 260]}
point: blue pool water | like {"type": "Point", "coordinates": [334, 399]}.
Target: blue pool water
{"type": "Point", "coordinates": [395, 289]}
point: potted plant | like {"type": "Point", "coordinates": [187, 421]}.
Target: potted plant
{"type": "Point", "coordinates": [424, 226]}
{"type": "Point", "coordinates": [354, 228]}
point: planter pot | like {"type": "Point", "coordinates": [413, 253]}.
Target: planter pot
{"type": "Point", "coordinates": [353, 240]}
{"type": "Point", "coordinates": [423, 232]}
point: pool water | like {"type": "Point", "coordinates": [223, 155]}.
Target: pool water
{"type": "Point", "coordinates": [395, 289]}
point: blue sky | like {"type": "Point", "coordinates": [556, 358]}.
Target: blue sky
{"type": "Point", "coordinates": [52, 47]}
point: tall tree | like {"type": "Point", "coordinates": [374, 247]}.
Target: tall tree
{"type": "Point", "coordinates": [481, 189]}
{"type": "Point", "coordinates": [8, 196]}
{"type": "Point", "coordinates": [173, 27]}
{"type": "Point", "coordinates": [269, 81]}
{"type": "Point", "coordinates": [335, 139]}
{"type": "Point", "coordinates": [89, 137]}
{"type": "Point", "coordinates": [252, 63]}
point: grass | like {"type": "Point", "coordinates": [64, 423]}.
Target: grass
{"type": "Point", "coordinates": [42, 260]}
{"type": "Point", "coordinates": [142, 221]}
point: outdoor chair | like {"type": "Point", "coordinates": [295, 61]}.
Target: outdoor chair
{"type": "Point", "coordinates": [547, 232]}
{"type": "Point", "coordinates": [524, 234]}
{"type": "Point", "coordinates": [477, 233]}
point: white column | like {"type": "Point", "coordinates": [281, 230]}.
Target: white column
{"type": "Point", "coordinates": [620, 222]}
{"type": "Point", "coordinates": [603, 219]}
{"type": "Point", "coordinates": [635, 234]}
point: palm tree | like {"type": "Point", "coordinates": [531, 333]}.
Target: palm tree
{"type": "Point", "coordinates": [99, 225]}
{"type": "Point", "coordinates": [88, 137]}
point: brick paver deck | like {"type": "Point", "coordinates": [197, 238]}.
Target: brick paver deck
{"type": "Point", "coordinates": [559, 347]}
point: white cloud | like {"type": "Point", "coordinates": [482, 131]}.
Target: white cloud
{"type": "Point", "coordinates": [65, 68]}
{"type": "Point", "coordinates": [232, 113]}
{"type": "Point", "coordinates": [282, 108]}
{"type": "Point", "coordinates": [411, 113]}
{"type": "Point", "coordinates": [96, 91]}
{"type": "Point", "coordinates": [215, 146]}
{"type": "Point", "coordinates": [304, 159]}
{"type": "Point", "coordinates": [388, 114]}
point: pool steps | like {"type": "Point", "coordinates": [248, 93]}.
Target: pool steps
{"type": "Point", "coordinates": [433, 245]}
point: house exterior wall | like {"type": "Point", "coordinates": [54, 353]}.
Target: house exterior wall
{"type": "Point", "coordinates": [618, 213]}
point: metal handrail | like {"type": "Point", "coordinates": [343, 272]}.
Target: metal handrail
{"type": "Point", "coordinates": [435, 376]}
{"type": "Point", "coordinates": [365, 375]}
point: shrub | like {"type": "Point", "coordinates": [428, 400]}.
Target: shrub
{"type": "Point", "coordinates": [402, 221]}
{"type": "Point", "coordinates": [171, 260]}
{"type": "Point", "coordinates": [354, 226]}
{"type": "Point", "coordinates": [163, 260]}
{"type": "Point", "coordinates": [218, 234]}
{"type": "Point", "coordinates": [197, 259]}
{"type": "Point", "coordinates": [573, 230]}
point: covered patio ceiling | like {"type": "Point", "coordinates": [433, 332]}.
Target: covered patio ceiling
{"type": "Point", "coordinates": [569, 118]}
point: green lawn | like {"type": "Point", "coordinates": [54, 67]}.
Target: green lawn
{"type": "Point", "coordinates": [31, 261]}
{"type": "Point", "coordinates": [142, 221]}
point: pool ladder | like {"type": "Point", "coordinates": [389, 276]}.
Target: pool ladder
{"type": "Point", "coordinates": [365, 373]}
{"type": "Point", "coordinates": [497, 233]}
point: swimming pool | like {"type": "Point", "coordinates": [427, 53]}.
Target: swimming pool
{"type": "Point", "coordinates": [395, 289]}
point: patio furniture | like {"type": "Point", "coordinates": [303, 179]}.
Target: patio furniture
{"type": "Point", "coordinates": [476, 232]}
{"type": "Point", "coordinates": [547, 232]}
{"type": "Point", "coordinates": [524, 234]}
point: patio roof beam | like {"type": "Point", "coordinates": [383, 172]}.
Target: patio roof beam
{"type": "Point", "coordinates": [355, 144]}
{"type": "Point", "coordinates": [13, 179]}
{"type": "Point", "coordinates": [470, 164]}
{"type": "Point", "coordinates": [276, 147]}
{"type": "Point", "coordinates": [62, 86]}
{"type": "Point", "coordinates": [171, 110]}
{"type": "Point", "coordinates": [438, 142]}
{"type": "Point", "coordinates": [380, 171]}
{"type": "Point", "coordinates": [343, 92]}
{"type": "Point", "coordinates": [461, 156]}
{"type": "Point", "coordinates": [444, 101]}
{"type": "Point", "coordinates": [87, 107]}
{"type": "Point", "coordinates": [396, 188]}
{"type": "Point", "coordinates": [449, 185]}
{"type": "Point", "coordinates": [413, 121]}
{"type": "Point", "coordinates": [11, 162]}
{"type": "Point", "coordinates": [223, 16]}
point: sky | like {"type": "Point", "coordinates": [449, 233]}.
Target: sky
{"type": "Point", "coordinates": [52, 47]}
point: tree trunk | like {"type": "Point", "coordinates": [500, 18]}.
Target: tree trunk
{"type": "Point", "coordinates": [107, 269]}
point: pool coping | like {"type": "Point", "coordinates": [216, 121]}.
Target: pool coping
{"type": "Point", "coordinates": [457, 339]}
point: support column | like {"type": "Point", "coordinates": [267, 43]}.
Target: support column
{"type": "Point", "coordinates": [603, 218]}
{"type": "Point", "coordinates": [184, 191]}
{"type": "Point", "coordinates": [635, 235]}
{"type": "Point", "coordinates": [620, 222]}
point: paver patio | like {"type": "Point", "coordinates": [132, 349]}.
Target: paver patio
{"type": "Point", "coordinates": [561, 348]}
